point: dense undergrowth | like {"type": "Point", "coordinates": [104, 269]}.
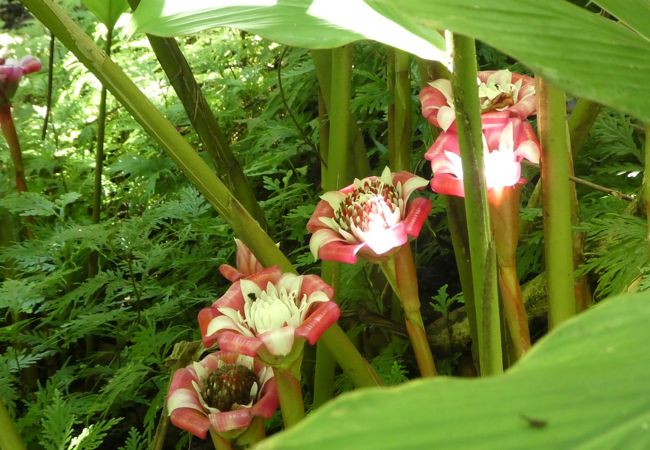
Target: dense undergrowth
{"type": "Point", "coordinates": [84, 360]}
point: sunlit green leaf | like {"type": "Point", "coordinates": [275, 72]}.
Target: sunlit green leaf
{"type": "Point", "coordinates": [107, 11]}
{"type": "Point", "coordinates": [583, 386]}
{"type": "Point", "coordinates": [299, 23]}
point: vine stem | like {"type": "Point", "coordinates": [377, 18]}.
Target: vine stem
{"type": "Point", "coordinates": [400, 273]}
{"type": "Point", "coordinates": [556, 201]}
{"type": "Point", "coordinates": [9, 437]}
{"type": "Point", "coordinates": [468, 123]}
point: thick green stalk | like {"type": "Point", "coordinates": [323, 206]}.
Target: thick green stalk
{"type": "Point", "coordinates": [400, 157]}
{"type": "Point", "coordinates": [335, 174]}
{"type": "Point", "coordinates": [323, 65]}
{"type": "Point", "coordinates": [197, 171]}
{"type": "Point", "coordinates": [556, 201]}
{"type": "Point", "coordinates": [290, 393]}
{"type": "Point", "coordinates": [325, 363]}
{"type": "Point", "coordinates": [9, 437]}
{"type": "Point", "coordinates": [580, 122]}
{"type": "Point", "coordinates": [482, 254]}
{"type": "Point", "coordinates": [182, 79]}
{"type": "Point", "coordinates": [390, 114]}
{"type": "Point", "coordinates": [399, 269]}
{"type": "Point", "coordinates": [504, 214]}
{"type": "Point", "coordinates": [646, 184]}
{"type": "Point", "coordinates": [338, 169]}
{"type": "Point", "coordinates": [346, 354]}
{"type": "Point", "coordinates": [457, 221]}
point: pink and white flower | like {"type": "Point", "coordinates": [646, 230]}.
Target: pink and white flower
{"type": "Point", "coordinates": [499, 91]}
{"type": "Point", "coordinates": [372, 217]}
{"type": "Point", "coordinates": [268, 312]}
{"type": "Point", "coordinates": [11, 71]}
{"type": "Point", "coordinates": [504, 148]}
{"type": "Point", "coordinates": [224, 391]}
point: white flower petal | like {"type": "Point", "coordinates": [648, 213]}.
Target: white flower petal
{"type": "Point", "coordinates": [248, 287]}
{"type": "Point", "coordinates": [279, 342]}
{"type": "Point", "coordinates": [333, 198]}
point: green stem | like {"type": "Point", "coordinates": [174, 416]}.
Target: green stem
{"type": "Point", "coordinates": [197, 171]}
{"type": "Point", "coordinates": [50, 80]}
{"type": "Point", "coordinates": [556, 202]}
{"type": "Point", "coordinates": [325, 364]}
{"type": "Point", "coordinates": [468, 122]}
{"type": "Point", "coordinates": [457, 221]}
{"type": "Point", "coordinates": [93, 260]}
{"type": "Point", "coordinates": [646, 184]}
{"type": "Point", "coordinates": [9, 437]}
{"type": "Point", "coordinates": [504, 213]}
{"type": "Point", "coordinates": [338, 172]}
{"type": "Point", "coordinates": [399, 269]}
{"type": "Point", "coordinates": [253, 434]}
{"type": "Point", "coordinates": [323, 65]}
{"type": "Point", "coordinates": [219, 442]}
{"type": "Point", "coordinates": [290, 393]}
{"type": "Point", "coordinates": [201, 117]}
{"type": "Point", "coordinates": [9, 131]}
{"type": "Point", "coordinates": [347, 356]}
{"type": "Point", "coordinates": [400, 158]}
{"type": "Point", "coordinates": [580, 122]}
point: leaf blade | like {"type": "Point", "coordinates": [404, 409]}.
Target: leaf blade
{"type": "Point", "coordinates": [575, 389]}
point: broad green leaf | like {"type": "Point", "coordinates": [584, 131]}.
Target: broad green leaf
{"type": "Point", "coordinates": [299, 23]}
{"type": "Point", "coordinates": [633, 13]}
{"type": "Point", "coordinates": [107, 11]}
{"type": "Point", "coordinates": [585, 385]}
{"type": "Point", "coordinates": [582, 52]}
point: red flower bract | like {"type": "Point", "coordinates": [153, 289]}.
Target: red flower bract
{"type": "Point", "coordinates": [372, 218]}
{"type": "Point", "coordinates": [11, 71]}
{"type": "Point", "coordinates": [192, 389]}
{"type": "Point", "coordinates": [506, 142]}
{"type": "Point", "coordinates": [246, 264]}
{"type": "Point", "coordinates": [264, 313]}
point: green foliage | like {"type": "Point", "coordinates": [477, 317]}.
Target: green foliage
{"type": "Point", "coordinates": [84, 358]}
{"type": "Point", "coordinates": [609, 410]}
{"type": "Point", "coordinates": [618, 252]}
